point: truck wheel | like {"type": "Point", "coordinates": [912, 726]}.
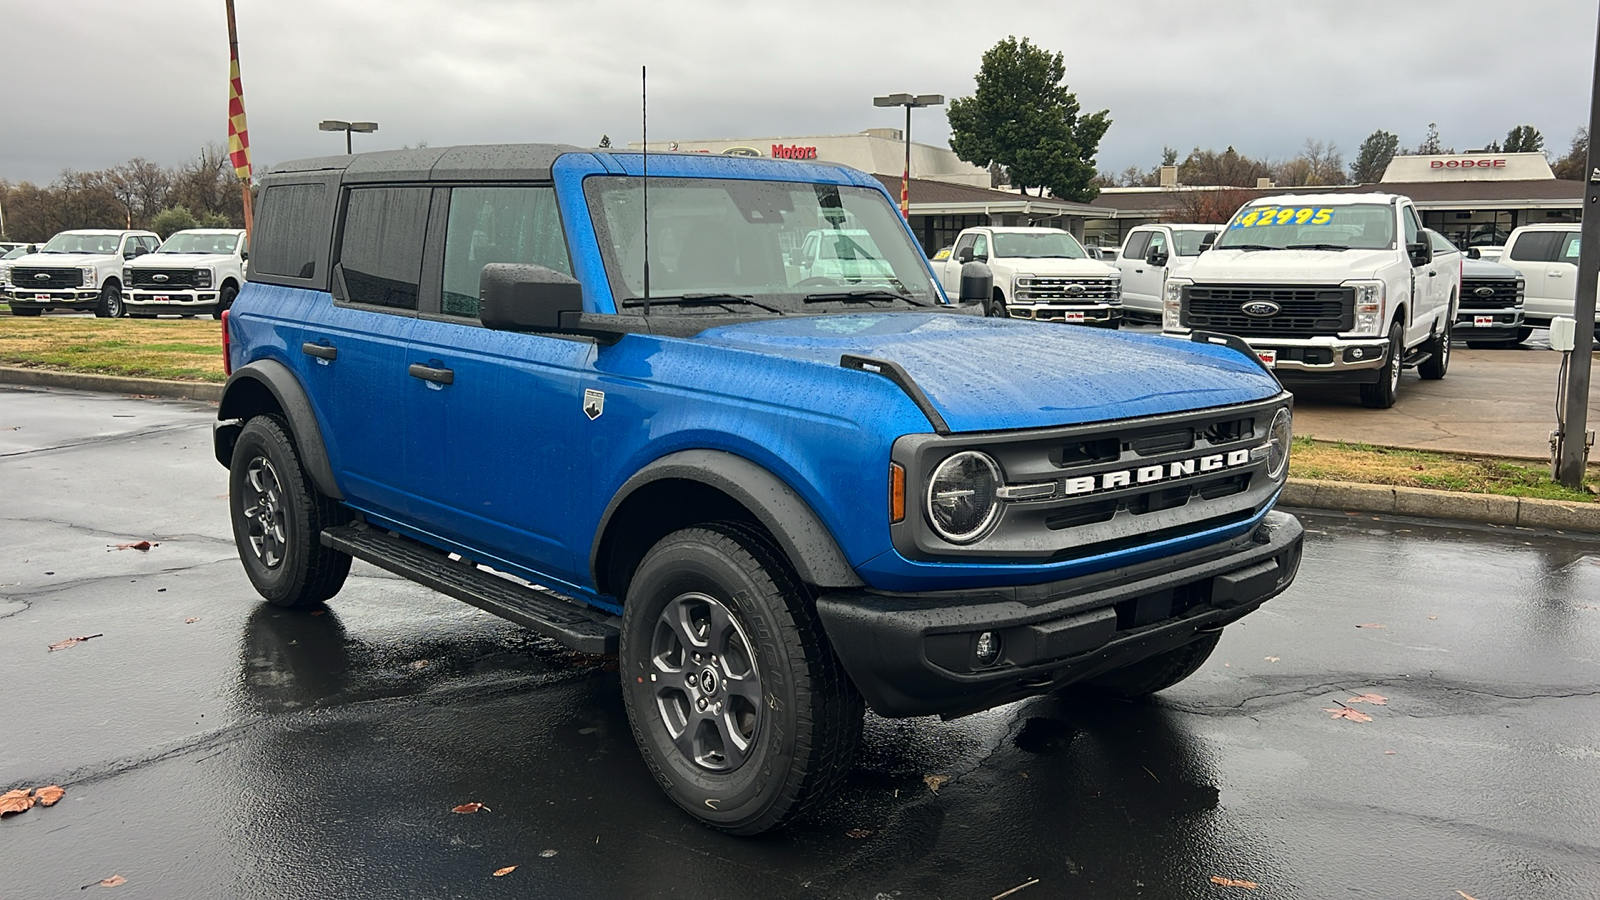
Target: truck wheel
{"type": "Point", "coordinates": [1381, 395]}
{"type": "Point", "coordinates": [1523, 333]}
{"type": "Point", "coordinates": [1439, 362]}
{"type": "Point", "coordinates": [224, 300]}
{"type": "Point", "coordinates": [1157, 673]}
{"type": "Point", "coordinates": [737, 702]}
{"type": "Point", "coordinates": [111, 306]}
{"type": "Point", "coordinates": [26, 311]}
{"type": "Point", "coordinates": [278, 517]}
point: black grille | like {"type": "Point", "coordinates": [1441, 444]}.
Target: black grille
{"type": "Point", "coordinates": [1068, 290]}
{"type": "Point", "coordinates": [54, 279]}
{"type": "Point", "coordinates": [1496, 293]}
{"type": "Point", "coordinates": [173, 278]}
{"type": "Point", "coordinates": [1302, 311]}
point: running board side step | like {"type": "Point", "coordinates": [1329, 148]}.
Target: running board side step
{"type": "Point", "coordinates": [1416, 359]}
{"type": "Point", "coordinates": [582, 628]}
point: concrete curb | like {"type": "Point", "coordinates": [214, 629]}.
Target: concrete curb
{"type": "Point", "coordinates": [114, 384]}
{"type": "Point", "coordinates": [1527, 512]}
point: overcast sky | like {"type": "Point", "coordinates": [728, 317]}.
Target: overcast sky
{"type": "Point", "coordinates": [108, 80]}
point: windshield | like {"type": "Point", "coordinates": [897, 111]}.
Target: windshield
{"type": "Point", "coordinates": [67, 242]}
{"type": "Point", "coordinates": [13, 254]}
{"type": "Point", "coordinates": [1189, 241]}
{"type": "Point", "coordinates": [1037, 245]}
{"type": "Point", "coordinates": [1360, 226]}
{"type": "Point", "coordinates": [746, 246]}
{"type": "Point", "coordinates": [199, 242]}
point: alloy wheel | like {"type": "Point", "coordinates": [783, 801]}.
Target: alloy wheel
{"type": "Point", "coordinates": [265, 512]}
{"type": "Point", "coordinates": [705, 681]}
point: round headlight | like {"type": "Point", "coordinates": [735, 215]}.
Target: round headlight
{"type": "Point", "coordinates": [963, 498]}
{"type": "Point", "coordinates": [1279, 436]}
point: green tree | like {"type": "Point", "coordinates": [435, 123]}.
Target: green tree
{"type": "Point", "coordinates": [1373, 157]}
{"type": "Point", "coordinates": [1524, 139]}
{"type": "Point", "coordinates": [1573, 166]}
{"type": "Point", "coordinates": [1023, 117]}
{"type": "Point", "coordinates": [171, 219]}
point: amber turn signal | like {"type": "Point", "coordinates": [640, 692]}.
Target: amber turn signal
{"type": "Point", "coordinates": [897, 493]}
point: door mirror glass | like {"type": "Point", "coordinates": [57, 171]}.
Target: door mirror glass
{"type": "Point", "coordinates": [964, 255]}
{"type": "Point", "coordinates": [1421, 253]}
{"type": "Point", "coordinates": [1207, 241]}
{"type": "Point", "coordinates": [525, 297]}
{"type": "Point", "coordinates": [1157, 257]}
{"type": "Point", "coordinates": [1474, 253]}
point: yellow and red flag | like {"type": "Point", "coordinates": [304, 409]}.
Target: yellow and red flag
{"type": "Point", "coordinates": [238, 133]}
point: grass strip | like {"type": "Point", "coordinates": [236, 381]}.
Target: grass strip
{"type": "Point", "coordinates": [173, 349]}
{"type": "Point", "coordinates": [1364, 463]}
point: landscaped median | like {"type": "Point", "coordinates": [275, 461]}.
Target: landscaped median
{"type": "Point", "coordinates": [183, 358]}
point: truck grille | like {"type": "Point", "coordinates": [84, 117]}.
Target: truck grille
{"type": "Point", "coordinates": [1068, 290]}
{"type": "Point", "coordinates": [54, 279]}
{"type": "Point", "coordinates": [1489, 293]}
{"type": "Point", "coordinates": [173, 278]}
{"type": "Point", "coordinates": [1303, 311]}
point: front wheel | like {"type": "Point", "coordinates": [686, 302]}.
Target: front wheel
{"type": "Point", "coordinates": [26, 311]}
{"type": "Point", "coordinates": [1438, 361]}
{"type": "Point", "coordinates": [111, 305]}
{"type": "Point", "coordinates": [278, 517]}
{"type": "Point", "coordinates": [738, 704]}
{"type": "Point", "coordinates": [1157, 673]}
{"type": "Point", "coordinates": [224, 300]}
{"type": "Point", "coordinates": [1381, 394]}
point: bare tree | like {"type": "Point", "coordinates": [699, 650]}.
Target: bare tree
{"type": "Point", "coordinates": [1210, 207]}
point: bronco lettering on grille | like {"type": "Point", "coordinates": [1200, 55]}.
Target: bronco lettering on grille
{"type": "Point", "coordinates": [1122, 478]}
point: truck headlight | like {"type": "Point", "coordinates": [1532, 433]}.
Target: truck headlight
{"type": "Point", "coordinates": [1369, 306]}
{"type": "Point", "coordinates": [91, 276]}
{"type": "Point", "coordinates": [1280, 435]}
{"type": "Point", "coordinates": [127, 276]}
{"type": "Point", "coordinates": [5, 274]}
{"type": "Point", "coordinates": [1521, 284]}
{"type": "Point", "coordinates": [1172, 304]}
{"type": "Point", "coordinates": [963, 500]}
{"type": "Point", "coordinates": [1116, 289]}
{"type": "Point", "coordinates": [202, 278]}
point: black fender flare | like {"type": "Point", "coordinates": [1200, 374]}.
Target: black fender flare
{"type": "Point", "coordinates": [800, 533]}
{"type": "Point", "coordinates": [242, 398]}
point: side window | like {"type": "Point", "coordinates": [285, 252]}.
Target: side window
{"type": "Point", "coordinates": [964, 243]}
{"type": "Point", "coordinates": [980, 246]}
{"type": "Point", "coordinates": [148, 244]}
{"type": "Point", "coordinates": [1441, 244]}
{"type": "Point", "coordinates": [1137, 241]}
{"type": "Point", "coordinates": [130, 247]}
{"type": "Point", "coordinates": [1569, 249]}
{"type": "Point", "coordinates": [289, 226]}
{"type": "Point", "coordinates": [1413, 228]}
{"type": "Point", "coordinates": [1536, 246]}
{"type": "Point", "coordinates": [1158, 241]}
{"type": "Point", "coordinates": [498, 225]}
{"type": "Point", "coordinates": [381, 250]}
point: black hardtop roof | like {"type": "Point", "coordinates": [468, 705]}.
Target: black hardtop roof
{"type": "Point", "coordinates": [473, 162]}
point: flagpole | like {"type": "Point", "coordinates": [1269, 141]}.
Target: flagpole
{"type": "Point", "coordinates": [244, 179]}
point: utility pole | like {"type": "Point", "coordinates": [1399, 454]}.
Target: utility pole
{"type": "Point", "coordinates": [1573, 453]}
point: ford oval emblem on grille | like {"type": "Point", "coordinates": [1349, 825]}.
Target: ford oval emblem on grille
{"type": "Point", "coordinates": [42, 276]}
{"type": "Point", "coordinates": [1075, 290]}
{"type": "Point", "coordinates": [1261, 309]}
{"type": "Point", "coordinates": [1484, 292]}
{"type": "Point", "coordinates": [158, 278]}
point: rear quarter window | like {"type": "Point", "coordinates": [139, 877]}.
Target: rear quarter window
{"type": "Point", "coordinates": [1536, 246]}
{"type": "Point", "coordinates": [290, 225]}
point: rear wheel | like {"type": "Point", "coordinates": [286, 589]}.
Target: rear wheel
{"type": "Point", "coordinates": [1381, 395]}
{"type": "Point", "coordinates": [111, 305]}
{"type": "Point", "coordinates": [1156, 673]}
{"type": "Point", "coordinates": [738, 704]}
{"type": "Point", "coordinates": [278, 518]}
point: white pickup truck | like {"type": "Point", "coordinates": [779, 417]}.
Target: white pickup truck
{"type": "Point", "coordinates": [1152, 254]}
{"type": "Point", "coordinates": [1327, 288]}
{"type": "Point", "coordinates": [198, 270]}
{"type": "Point", "coordinates": [1547, 256]}
{"type": "Point", "coordinates": [1039, 273]}
{"type": "Point", "coordinates": [77, 270]}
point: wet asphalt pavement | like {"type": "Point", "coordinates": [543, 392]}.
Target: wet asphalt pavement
{"type": "Point", "coordinates": [258, 753]}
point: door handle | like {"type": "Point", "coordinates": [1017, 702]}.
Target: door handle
{"type": "Point", "coordinates": [320, 351]}
{"type": "Point", "coordinates": [1555, 274]}
{"type": "Point", "coordinates": [1138, 271]}
{"type": "Point", "coordinates": [428, 373]}
{"type": "Point", "coordinates": [1431, 274]}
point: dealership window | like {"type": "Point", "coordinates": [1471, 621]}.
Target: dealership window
{"type": "Point", "coordinates": [381, 251]}
{"type": "Point", "coordinates": [498, 225]}
{"type": "Point", "coordinates": [938, 232]}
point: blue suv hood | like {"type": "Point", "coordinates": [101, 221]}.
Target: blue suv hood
{"type": "Point", "coordinates": [1000, 374]}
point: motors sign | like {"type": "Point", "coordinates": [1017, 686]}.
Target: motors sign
{"type": "Point", "coordinates": [793, 151]}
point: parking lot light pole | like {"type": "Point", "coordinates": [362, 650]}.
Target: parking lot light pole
{"type": "Point", "coordinates": [347, 127]}
{"type": "Point", "coordinates": [1573, 453]}
{"type": "Point", "coordinates": [910, 102]}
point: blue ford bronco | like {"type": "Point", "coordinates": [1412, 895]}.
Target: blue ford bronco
{"type": "Point", "coordinates": [779, 496]}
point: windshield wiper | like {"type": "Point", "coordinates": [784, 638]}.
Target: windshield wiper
{"type": "Point", "coordinates": [1317, 247]}
{"type": "Point", "coordinates": [1248, 247]}
{"type": "Point", "coordinates": [705, 299]}
{"type": "Point", "coordinates": [863, 294]}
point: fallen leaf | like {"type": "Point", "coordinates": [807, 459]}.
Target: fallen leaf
{"type": "Point", "coordinates": [934, 782]}
{"type": "Point", "coordinates": [547, 853]}
{"type": "Point", "coordinates": [501, 873]}
{"type": "Point", "coordinates": [135, 545]}
{"type": "Point", "coordinates": [1345, 712]}
{"type": "Point", "coordinates": [1433, 618]}
{"type": "Point", "coordinates": [1270, 658]}
{"type": "Point", "coordinates": [472, 807]}
{"type": "Point", "coordinates": [1467, 895]}
{"type": "Point", "coordinates": [73, 642]}
{"type": "Point", "coordinates": [15, 802]}
{"type": "Point", "coordinates": [1029, 883]}
{"type": "Point", "coordinates": [48, 796]}
{"type": "Point", "coordinates": [1370, 625]}
{"type": "Point", "coordinates": [420, 664]}
{"type": "Point", "coordinates": [191, 620]}
{"type": "Point", "coordinates": [1233, 882]}
{"type": "Point", "coordinates": [859, 833]}
{"type": "Point", "coordinates": [1388, 753]}
{"type": "Point", "coordinates": [1374, 699]}
{"type": "Point", "coordinates": [319, 612]}
{"type": "Point", "coordinates": [113, 881]}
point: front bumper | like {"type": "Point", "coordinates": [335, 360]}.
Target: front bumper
{"type": "Point", "coordinates": [66, 298]}
{"type": "Point", "coordinates": [914, 654]}
{"type": "Point", "coordinates": [146, 298]}
{"type": "Point", "coordinates": [1488, 324]}
{"type": "Point", "coordinates": [1336, 359]}
{"type": "Point", "coordinates": [1074, 313]}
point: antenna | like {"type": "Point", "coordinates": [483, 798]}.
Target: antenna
{"type": "Point", "coordinates": [644, 127]}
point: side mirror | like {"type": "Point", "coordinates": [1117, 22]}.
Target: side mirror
{"type": "Point", "coordinates": [964, 255]}
{"type": "Point", "coordinates": [1157, 257]}
{"type": "Point", "coordinates": [1421, 253]}
{"type": "Point", "coordinates": [1474, 253]}
{"type": "Point", "coordinates": [521, 297]}
{"type": "Point", "coordinates": [1206, 242]}
{"type": "Point", "coordinates": [977, 283]}
{"type": "Point", "coordinates": [244, 254]}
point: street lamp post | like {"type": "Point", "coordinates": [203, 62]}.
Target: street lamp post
{"type": "Point", "coordinates": [347, 127]}
{"type": "Point", "coordinates": [910, 102]}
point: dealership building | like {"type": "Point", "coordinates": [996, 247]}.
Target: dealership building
{"type": "Point", "coordinates": [1471, 198]}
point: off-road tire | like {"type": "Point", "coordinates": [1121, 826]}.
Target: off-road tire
{"type": "Point", "coordinates": [294, 569]}
{"type": "Point", "coordinates": [1438, 362]}
{"type": "Point", "coordinates": [110, 305]}
{"type": "Point", "coordinates": [1381, 394]}
{"type": "Point", "coordinates": [1157, 673]}
{"type": "Point", "coordinates": [804, 739]}
{"type": "Point", "coordinates": [26, 311]}
{"type": "Point", "coordinates": [224, 300]}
